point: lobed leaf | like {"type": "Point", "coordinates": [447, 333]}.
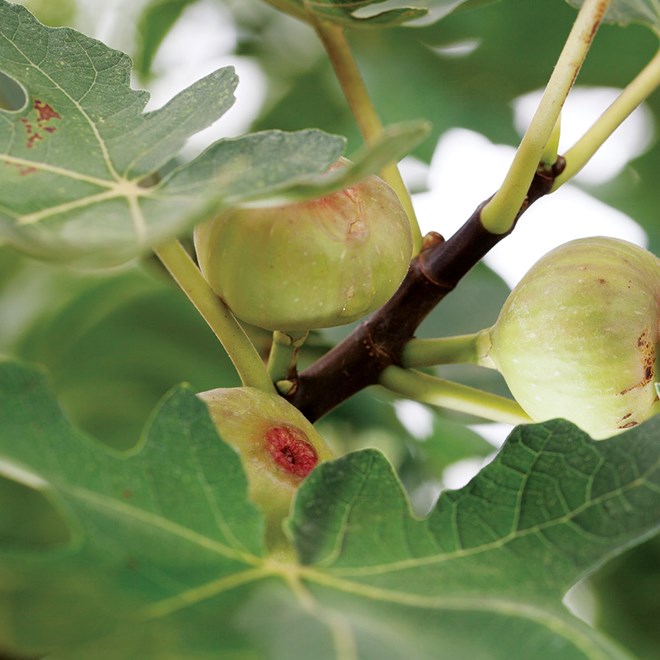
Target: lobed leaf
{"type": "Point", "coordinates": [165, 558]}
{"type": "Point", "coordinates": [80, 160]}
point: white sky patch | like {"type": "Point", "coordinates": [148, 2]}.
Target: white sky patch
{"type": "Point", "coordinates": [495, 433]}
{"type": "Point", "coordinates": [460, 473]}
{"type": "Point", "coordinates": [467, 168]}
{"type": "Point", "coordinates": [201, 42]}
{"type": "Point", "coordinates": [582, 108]}
{"type": "Point", "coordinates": [416, 417]}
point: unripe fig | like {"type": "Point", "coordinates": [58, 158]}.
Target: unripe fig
{"type": "Point", "coordinates": [577, 337]}
{"type": "Point", "coordinates": [277, 444]}
{"type": "Point", "coordinates": [313, 264]}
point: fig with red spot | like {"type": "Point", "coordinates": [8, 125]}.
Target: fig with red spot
{"type": "Point", "coordinates": [314, 264]}
{"type": "Point", "coordinates": [278, 446]}
{"type": "Point", "coordinates": [578, 336]}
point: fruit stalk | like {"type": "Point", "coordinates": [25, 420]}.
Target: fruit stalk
{"type": "Point", "coordinates": [461, 349]}
{"type": "Point", "coordinates": [284, 354]}
{"type": "Point", "coordinates": [444, 393]}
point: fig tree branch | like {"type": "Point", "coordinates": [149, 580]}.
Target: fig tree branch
{"type": "Point", "coordinates": [378, 342]}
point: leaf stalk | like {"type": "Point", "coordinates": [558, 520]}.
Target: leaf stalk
{"type": "Point", "coordinates": [499, 214]}
{"type": "Point", "coordinates": [355, 91]}
{"type": "Point", "coordinates": [226, 328]}
{"type": "Point", "coordinates": [641, 87]}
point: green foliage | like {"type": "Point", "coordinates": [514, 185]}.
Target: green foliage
{"type": "Point", "coordinates": [457, 90]}
{"type": "Point", "coordinates": [81, 160]}
{"type": "Point", "coordinates": [163, 542]}
{"type": "Point", "coordinates": [145, 544]}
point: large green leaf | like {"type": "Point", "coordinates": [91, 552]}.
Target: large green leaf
{"type": "Point", "coordinates": [165, 557]}
{"type": "Point", "coordinates": [79, 158]}
{"type": "Point", "coordinates": [628, 11]}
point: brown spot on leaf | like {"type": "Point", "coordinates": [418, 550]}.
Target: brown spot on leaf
{"type": "Point", "coordinates": [45, 112]}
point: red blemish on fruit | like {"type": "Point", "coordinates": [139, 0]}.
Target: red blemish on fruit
{"type": "Point", "coordinates": [289, 448]}
{"type": "Point", "coordinates": [127, 493]}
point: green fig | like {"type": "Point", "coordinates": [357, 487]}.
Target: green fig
{"type": "Point", "coordinates": [313, 264]}
{"type": "Point", "coordinates": [278, 446]}
{"type": "Point", "coordinates": [577, 337]}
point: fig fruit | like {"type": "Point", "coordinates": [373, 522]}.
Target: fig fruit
{"type": "Point", "coordinates": [577, 337]}
{"type": "Point", "coordinates": [312, 264]}
{"type": "Point", "coordinates": [277, 445]}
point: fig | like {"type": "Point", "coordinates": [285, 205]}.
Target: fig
{"type": "Point", "coordinates": [308, 265]}
{"type": "Point", "coordinates": [577, 337]}
{"type": "Point", "coordinates": [277, 445]}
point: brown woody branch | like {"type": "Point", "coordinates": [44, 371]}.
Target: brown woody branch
{"type": "Point", "coordinates": [378, 342]}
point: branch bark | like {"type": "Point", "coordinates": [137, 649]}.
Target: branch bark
{"type": "Point", "coordinates": [377, 343]}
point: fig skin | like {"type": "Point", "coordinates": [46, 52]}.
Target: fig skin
{"type": "Point", "coordinates": [577, 338]}
{"type": "Point", "coordinates": [313, 264]}
{"type": "Point", "coordinates": [277, 444]}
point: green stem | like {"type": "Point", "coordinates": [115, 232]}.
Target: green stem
{"type": "Point", "coordinates": [462, 349]}
{"type": "Point", "coordinates": [352, 84]}
{"type": "Point", "coordinates": [283, 356]}
{"type": "Point", "coordinates": [499, 214]}
{"type": "Point", "coordinates": [446, 394]}
{"type": "Point", "coordinates": [240, 349]}
{"type": "Point", "coordinates": [551, 151]}
{"type": "Point", "coordinates": [644, 84]}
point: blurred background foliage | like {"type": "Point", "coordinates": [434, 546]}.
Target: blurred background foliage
{"type": "Point", "coordinates": [115, 342]}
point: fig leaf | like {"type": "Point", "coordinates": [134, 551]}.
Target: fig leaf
{"type": "Point", "coordinates": [165, 557]}
{"type": "Point", "coordinates": [88, 177]}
